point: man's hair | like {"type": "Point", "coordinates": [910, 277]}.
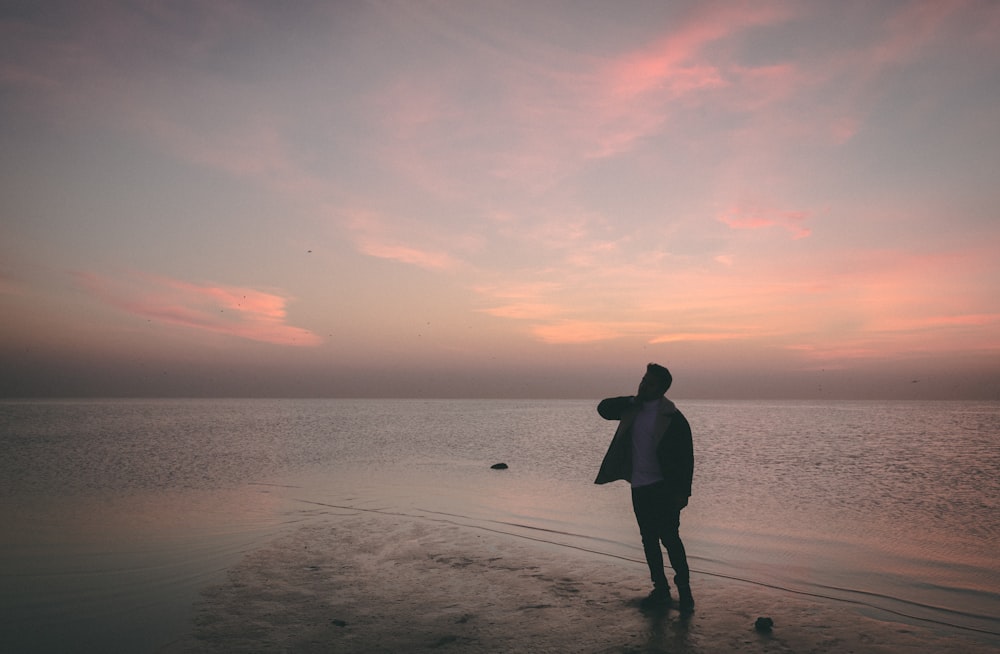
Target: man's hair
{"type": "Point", "coordinates": [661, 374]}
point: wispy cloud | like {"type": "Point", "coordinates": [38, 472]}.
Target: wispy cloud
{"type": "Point", "coordinates": [552, 113]}
{"type": "Point", "coordinates": [524, 311]}
{"type": "Point", "coordinates": [757, 218]}
{"type": "Point", "coordinates": [530, 301]}
{"type": "Point", "coordinates": [696, 337]}
{"type": "Point", "coordinates": [637, 92]}
{"type": "Point", "coordinates": [237, 311]}
{"type": "Point", "coordinates": [374, 237]}
{"type": "Point", "coordinates": [568, 332]}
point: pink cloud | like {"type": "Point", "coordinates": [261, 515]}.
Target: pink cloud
{"type": "Point", "coordinates": [547, 120]}
{"type": "Point", "coordinates": [406, 254]}
{"type": "Point", "coordinates": [524, 311]}
{"type": "Point", "coordinates": [700, 337]}
{"type": "Point", "coordinates": [673, 63]}
{"type": "Point", "coordinates": [372, 237]}
{"type": "Point", "coordinates": [522, 301]}
{"type": "Point", "coordinates": [635, 94]}
{"type": "Point", "coordinates": [567, 332]}
{"type": "Point", "coordinates": [236, 311]}
{"type": "Point", "coordinates": [755, 218]}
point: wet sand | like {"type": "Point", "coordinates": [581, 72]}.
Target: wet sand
{"type": "Point", "coordinates": [372, 582]}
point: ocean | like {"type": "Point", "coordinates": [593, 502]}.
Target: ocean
{"type": "Point", "coordinates": [117, 513]}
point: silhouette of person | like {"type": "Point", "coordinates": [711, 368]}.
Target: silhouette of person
{"type": "Point", "coordinates": [653, 451]}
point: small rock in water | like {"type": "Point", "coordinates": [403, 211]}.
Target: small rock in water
{"type": "Point", "coordinates": [763, 625]}
{"type": "Point", "coordinates": [499, 466]}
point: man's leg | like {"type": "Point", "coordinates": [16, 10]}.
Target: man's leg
{"type": "Point", "coordinates": [648, 514]}
{"type": "Point", "coordinates": [659, 521]}
{"type": "Point", "coordinates": [671, 538]}
{"type": "Point", "coordinates": [670, 535]}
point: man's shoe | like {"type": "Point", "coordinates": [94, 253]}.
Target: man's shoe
{"type": "Point", "coordinates": [686, 601]}
{"type": "Point", "coordinates": [659, 597]}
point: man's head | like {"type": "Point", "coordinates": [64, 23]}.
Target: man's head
{"type": "Point", "coordinates": [655, 382]}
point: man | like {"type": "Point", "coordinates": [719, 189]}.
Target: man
{"type": "Point", "coordinates": [652, 450]}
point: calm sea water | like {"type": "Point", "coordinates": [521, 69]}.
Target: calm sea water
{"type": "Point", "coordinates": [116, 513]}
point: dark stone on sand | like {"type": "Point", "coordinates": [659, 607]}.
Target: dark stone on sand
{"type": "Point", "coordinates": [763, 625]}
{"type": "Point", "coordinates": [499, 466]}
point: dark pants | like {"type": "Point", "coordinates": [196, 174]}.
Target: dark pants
{"type": "Point", "coordinates": [659, 521]}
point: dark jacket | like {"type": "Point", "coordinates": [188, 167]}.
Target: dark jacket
{"type": "Point", "coordinates": [675, 451]}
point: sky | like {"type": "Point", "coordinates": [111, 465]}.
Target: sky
{"type": "Point", "coordinates": [514, 199]}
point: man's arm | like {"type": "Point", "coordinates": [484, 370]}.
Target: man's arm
{"type": "Point", "coordinates": [613, 407]}
{"type": "Point", "coordinates": [679, 463]}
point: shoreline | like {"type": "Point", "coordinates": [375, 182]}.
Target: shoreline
{"type": "Point", "coordinates": [370, 582]}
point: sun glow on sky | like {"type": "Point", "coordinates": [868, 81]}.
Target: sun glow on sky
{"type": "Point", "coordinates": [774, 199]}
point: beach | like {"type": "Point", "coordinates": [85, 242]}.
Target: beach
{"type": "Point", "coordinates": [153, 526]}
{"type": "Point", "coordinates": [374, 582]}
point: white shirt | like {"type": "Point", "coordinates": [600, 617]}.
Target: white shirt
{"type": "Point", "coordinates": [645, 467]}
